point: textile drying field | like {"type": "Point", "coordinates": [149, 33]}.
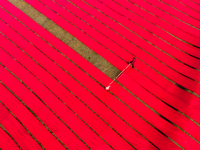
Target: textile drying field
{"type": "Point", "coordinates": [57, 57]}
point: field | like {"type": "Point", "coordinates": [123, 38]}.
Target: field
{"type": "Point", "coordinates": [58, 56]}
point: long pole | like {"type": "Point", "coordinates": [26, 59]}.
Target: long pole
{"type": "Point", "coordinates": [108, 87]}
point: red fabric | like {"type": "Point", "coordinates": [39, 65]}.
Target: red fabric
{"type": "Point", "coordinates": [16, 130]}
{"type": "Point", "coordinates": [153, 18]}
{"type": "Point", "coordinates": [88, 97]}
{"type": "Point", "coordinates": [196, 2]}
{"type": "Point", "coordinates": [183, 8]}
{"type": "Point", "coordinates": [101, 111]}
{"type": "Point", "coordinates": [175, 13]}
{"type": "Point", "coordinates": [55, 86]}
{"type": "Point", "coordinates": [153, 39]}
{"type": "Point", "coordinates": [181, 21]}
{"type": "Point", "coordinates": [23, 114]}
{"type": "Point", "coordinates": [6, 141]}
{"type": "Point", "coordinates": [191, 85]}
{"type": "Point", "coordinates": [192, 5]}
{"type": "Point", "coordinates": [49, 99]}
{"type": "Point", "coordinates": [167, 112]}
{"type": "Point", "coordinates": [72, 85]}
{"type": "Point", "coordinates": [99, 118]}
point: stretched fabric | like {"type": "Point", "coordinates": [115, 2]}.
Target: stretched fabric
{"type": "Point", "coordinates": [52, 98]}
